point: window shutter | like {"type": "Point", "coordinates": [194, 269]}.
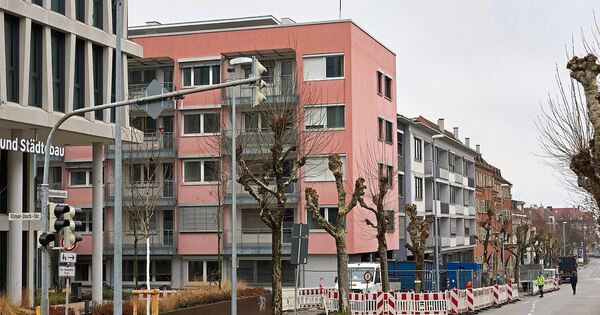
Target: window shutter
{"type": "Point", "coordinates": [198, 219]}
{"type": "Point", "coordinates": [314, 68]}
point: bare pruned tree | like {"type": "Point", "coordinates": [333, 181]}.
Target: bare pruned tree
{"type": "Point", "coordinates": [338, 230]}
{"type": "Point", "coordinates": [418, 229]}
{"type": "Point", "coordinates": [379, 173]}
{"type": "Point", "coordinates": [272, 151]}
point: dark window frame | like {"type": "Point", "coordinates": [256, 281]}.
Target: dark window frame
{"type": "Point", "coordinates": [35, 66]}
{"type": "Point", "coordinates": [387, 87]}
{"type": "Point", "coordinates": [379, 83]}
{"type": "Point", "coordinates": [97, 14]}
{"type": "Point", "coordinates": [12, 51]}
{"type": "Point", "coordinates": [80, 10]}
{"type": "Point", "coordinates": [79, 77]}
{"type": "Point", "coordinates": [58, 6]}
{"type": "Point", "coordinates": [98, 75]}
{"type": "Point", "coordinates": [334, 66]}
{"type": "Point", "coordinates": [58, 70]}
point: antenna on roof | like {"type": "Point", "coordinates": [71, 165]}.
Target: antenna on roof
{"type": "Point", "coordinates": [340, 11]}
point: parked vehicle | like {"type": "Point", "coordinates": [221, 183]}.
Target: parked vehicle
{"type": "Point", "coordinates": [566, 266]}
{"type": "Point", "coordinates": [356, 276]}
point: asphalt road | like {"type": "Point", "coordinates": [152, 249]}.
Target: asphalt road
{"type": "Point", "coordinates": [587, 300]}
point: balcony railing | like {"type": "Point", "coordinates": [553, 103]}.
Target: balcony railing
{"type": "Point", "coordinates": [162, 242]}
{"type": "Point", "coordinates": [155, 144]}
{"type": "Point", "coordinates": [137, 90]}
{"type": "Point", "coordinates": [244, 197]}
{"type": "Point", "coordinates": [279, 89]}
{"type": "Point", "coordinates": [255, 240]}
{"type": "Point", "coordinates": [164, 191]}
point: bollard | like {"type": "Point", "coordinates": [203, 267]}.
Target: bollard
{"type": "Point", "coordinates": [154, 300]}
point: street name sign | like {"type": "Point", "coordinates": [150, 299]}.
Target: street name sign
{"type": "Point", "coordinates": [60, 194]}
{"type": "Point", "coordinates": [64, 271]}
{"type": "Point", "coordinates": [68, 257]}
{"type": "Point", "coordinates": [25, 216]}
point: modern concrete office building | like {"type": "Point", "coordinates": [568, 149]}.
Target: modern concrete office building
{"type": "Point", "coordinates": [449, 163]}
{"type": "Point", "coordinates": [56, 56]}
{"type": "Point", "coordinates": [356, 109]}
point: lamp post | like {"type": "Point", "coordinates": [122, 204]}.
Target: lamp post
{"type": "Point", "coordinates": [503, 234]}
{"type": "Point", "coordinates": [564, 239]}
{"type": "Point", "coordinates": [436, 233]}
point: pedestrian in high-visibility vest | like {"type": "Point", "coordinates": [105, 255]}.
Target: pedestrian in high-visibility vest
{"type": "Point", "coordinates": [540, 283]}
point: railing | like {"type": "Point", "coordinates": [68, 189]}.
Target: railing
{"type": "Point", "coordinates": [157, 238]}
{"type": "Point", "coordinates": [279, 89]}
{"type": "Point", "coordinates": [242, 193]}
{"type": "Point", "coordinates": [142, 190]}
{"type": "Point", "coordinates": [159, 140]}
{"type": "Point", "coordinates": [137, 90]}
{"type": "Point", "coordinates": [255, 237]}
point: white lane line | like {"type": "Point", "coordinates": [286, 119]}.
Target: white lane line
{"type": "Point", "coordinates": [532, 308]}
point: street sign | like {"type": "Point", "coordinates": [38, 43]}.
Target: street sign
{"type": "Point", "coordinates": [154, 108]}
{"type": "Point", "coordinates": [299, 244]}
{"type": "Point", "coordinates": [368, 276]}
{"type": "Point", "coordinates": [25, 216]}
{"type": "Point", "coordinates": [68, 257]}
{"type": "Point", "coordinates": [59, 194]}
{"type": "Point", "coordinates": [66, 271]}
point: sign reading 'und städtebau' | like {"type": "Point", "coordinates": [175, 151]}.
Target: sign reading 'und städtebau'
{"type": "Point", "coordinates": [30, 146]}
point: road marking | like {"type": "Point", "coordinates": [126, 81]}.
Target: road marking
{"type": "Point", "coordinates": [532, 307]}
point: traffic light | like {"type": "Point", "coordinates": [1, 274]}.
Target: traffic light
{"type": "Point", "coordinates": [257, 71]}
{"type": "Point", "coordinates": [71, 225]}
{"type": "Point", "coordinates": [47, 239]}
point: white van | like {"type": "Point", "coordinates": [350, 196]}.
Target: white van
{"type": "Point", "coordinates": [356, 275]}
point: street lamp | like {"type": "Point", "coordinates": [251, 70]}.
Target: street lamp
{"type": "Point", "coordinates": [257, 98]}
{"type": "Point", "coordinates": [504, 234]}
{"type": "Point", "coordinates": [436, 234]}
{"type": "Point", "coordinates": [564, 239]}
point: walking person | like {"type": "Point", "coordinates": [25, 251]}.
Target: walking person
{"type": "Point", "coordinates": [540, 283]}
{"type": "Point", "coordinates": [574, 282]}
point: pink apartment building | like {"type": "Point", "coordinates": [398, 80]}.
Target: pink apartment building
{"type": "Point", "coordinates": [356, 110]}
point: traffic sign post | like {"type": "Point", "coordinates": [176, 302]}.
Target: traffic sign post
{"type": "Point", "coordinates": [368, 277]}
{"type": "Point", "coordinates": [299, 254]}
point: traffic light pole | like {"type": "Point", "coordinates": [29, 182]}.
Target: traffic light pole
{"type": "Point", "coordinates": [45, 261]}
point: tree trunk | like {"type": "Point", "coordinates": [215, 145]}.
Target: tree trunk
{"type": "Point", "coordinates": [276, 234]}
{"type": "Point", "coordinates": [419, 272]}
{"type": "Point", "coordinates": [219, 236]}
{"type": "Point", "coordinates": [342, 270]}
{"type": "Point", "coordinates": [382, 250]}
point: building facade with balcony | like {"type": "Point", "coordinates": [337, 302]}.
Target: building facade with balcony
{"type": "Point", "coordinates": [449, 164]}
{"type": "Point", "coordinates": [495, 212]}
{"type": "Point", "coordinates": [57, 56]}
{"type": "Point", "coordinates": [353, 109]}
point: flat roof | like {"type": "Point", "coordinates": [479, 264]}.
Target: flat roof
{"type": "Point", "coordinates": [154, 28]}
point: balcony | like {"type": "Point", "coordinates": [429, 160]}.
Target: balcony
{"type": "Point", "coordinates": [155, 144]}
{"type": "Point", "coordinates": [279, 89]}
{"type": "Point", "coordinates": [256, 241]}
{"type": "Point", "coordinates": [164, 191]}
{"type": "Point", "coordinates": [243, 197]}
{"type": "Point", "coordinates": [162, 242]}
{"type": "Point", "coordinates": [137, 90]}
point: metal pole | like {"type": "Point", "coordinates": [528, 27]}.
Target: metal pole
{"type": "Point", "coordinates": [45, 266]}
{"type": "Point", "coordinates": [564, 240]}
{"type": "Point", "coordinates": [67, 295]}
{"type": "Point", "coordinates": [118, 209]}
{"type": "Point", "coordinates": [233, 210]}
{"type": "Point", "coordinates": [435, 220]}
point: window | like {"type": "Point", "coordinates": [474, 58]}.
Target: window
{"type": "Point", "coordinates": [379, 78]}
{"type": "Point", "coordinates": [198, 219]}
{"type": "Point", "coordinates": [418, 188]}
{"type": "Point", "coordinates": [207, 123]}
{"type": "Point", "coordinates": [79, 82]}
{"type": "Point", "coordinates": [324, 117]}
{"type": "Point", "coordinates": [391, 226]}
{"type": "Point", "coordinates": [389, 133]}
{"type": "Point", "coordinates": [201, 74]}
{"type": "Point", "coordinates": [201, 171]}
{"type": "Point", "coordinates": [139, 223]}
{"type": "Point", "coordinates": [317, 169]}
{"type": "Point", "coordinates": [256, 122]}
{"type": "Point", "coordinates": [81, 178]}
{"type": "Point", "coordinates": [418, 150]}
{"type": "Point", "coordinates": [466, 199]}
{"type": "Point", "coordinates": [195, 271]}
{"type": "Point", "coordinates": [400, 185]}
{"type": "Point", "coordinates": [142, 173]}
{"type": "Point", "coordinates": [400, 143]}
{"type": "Point", "coordinates": [82, 272]}
{"type": "Point", "coordinates": [35, 66]}
{"type": "Point", "coordinates": [386, 170]}
{"type": "Point", "coordinates": [97, 13]}
{"type": "Point", "coordinates": [328, 213]}
{"type": "Point", "coordinates": [323, 67]}
{"type": "Point", "coordinates": [465, 168]}
{"type": "Point", "coordinates": [38, 2]}
{"type": "Point", "coordinates": [453, 227]}
{"type": "Point", "coordinates": [58, 70]}
{"type": "Point", "coordinates": [80, 10]}
{"type": "Point", "coordinates": [453, 191]}
{"type": "Point", "coordinates": [58, 6]}
{"type": "Point", "coordinates": [86, 220]}
{"type": "Point", "coordinates": [388, 87]}
{"type": "Point", "coordinates": [145, 124]}
{"type": "Point", "coordinates": [11, 39]}
{"type": "Point", "coordinates": [467, 228]}
{"type": "Point", "coordinates": [98, 54]}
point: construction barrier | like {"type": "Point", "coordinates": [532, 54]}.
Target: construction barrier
{"type": "Point", "coordinates": [549, 286]}
{"type": "Point", "coordinates": [482, 298]}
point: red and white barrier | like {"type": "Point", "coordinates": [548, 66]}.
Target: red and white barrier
{"type": "Point", "coordinates": [470, 301]}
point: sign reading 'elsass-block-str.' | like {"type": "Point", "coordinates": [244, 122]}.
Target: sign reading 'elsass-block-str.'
{"type": "Point", "coordinates": [25, 216]}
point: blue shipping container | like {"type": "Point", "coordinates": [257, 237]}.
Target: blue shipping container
{"type": "Point", "coordinates": [405, 273]}
{"type": "Point", "coordinates": [459, 273]}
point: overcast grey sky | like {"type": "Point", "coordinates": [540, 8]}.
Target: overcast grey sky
{"type": "Point", "coordinates": [483, 65]}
